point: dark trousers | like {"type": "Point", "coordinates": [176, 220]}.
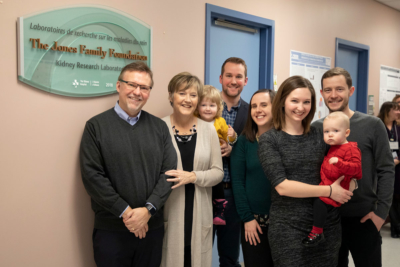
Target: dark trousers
{"type": "Point", "coordinates": [321, 210]}
{"type": "Point", "coordinates": [394, 214]}
{"type": "Point", "coordinates": [260, 255]}
{"type": "Point", "coordinates": [228, 236]}
{"type": "Point", "coordinates": [187, 256]}
{"type": "Point", "coordinates": [124, 249]}
{"type": "Point", "coordinates": [363, 241]}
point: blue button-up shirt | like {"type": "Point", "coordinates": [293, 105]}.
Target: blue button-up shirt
{"type": "Point", "coordinates": [123, 115]}
{"type": "Point", "coordinates": [230, 117]}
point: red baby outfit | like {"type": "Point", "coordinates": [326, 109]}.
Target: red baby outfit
{"type": "Point", "coordinates": [349, 165]}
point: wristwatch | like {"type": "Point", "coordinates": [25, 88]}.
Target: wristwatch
{"type": "Point", "coordinates": [151, 209]}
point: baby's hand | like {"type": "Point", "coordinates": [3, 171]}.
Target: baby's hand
{"type": "Point", "coordinates": [231, 132]}
{"type": "Point", "coordinates": [333, 160]}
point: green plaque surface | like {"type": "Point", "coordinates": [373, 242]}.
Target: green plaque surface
{"type": "Point", "coordinates": [80, 51]}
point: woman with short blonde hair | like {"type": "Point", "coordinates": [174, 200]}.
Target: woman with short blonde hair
{"type": "Point", "coordinates": [188, 214]}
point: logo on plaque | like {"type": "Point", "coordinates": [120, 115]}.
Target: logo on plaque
{"type": "Point", "coordinates": [80, 51]}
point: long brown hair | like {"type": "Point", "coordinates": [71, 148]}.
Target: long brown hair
{"type": "Point", "coordinates": [385, 109]}
{"type": "Point", "coordinates": [250, 129]}
{"type": "Point", "coordinates": [278, 106]}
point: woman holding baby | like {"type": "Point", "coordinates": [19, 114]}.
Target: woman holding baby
{"type": "Point", "coordinates": [291, 155]}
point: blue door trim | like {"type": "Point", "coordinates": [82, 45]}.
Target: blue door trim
{"type": "Point", "coordinates": [363, 66]}
{"type": "Point", "coordinates": [267, 38]}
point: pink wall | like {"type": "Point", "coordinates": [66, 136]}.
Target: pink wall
{"type": "Point", "coordinates": [46, 216]}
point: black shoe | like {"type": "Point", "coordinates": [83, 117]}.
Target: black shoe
{"type": "Point", "coordinates": [313, 239]}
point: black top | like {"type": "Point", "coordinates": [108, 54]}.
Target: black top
{"type": "Point", "coordinates": [124, 165]}
{"type": "Point", "coordinates": [187, 150]}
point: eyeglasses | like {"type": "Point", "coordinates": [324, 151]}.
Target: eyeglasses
{"type": "Point", "coordinates": [132, 85]}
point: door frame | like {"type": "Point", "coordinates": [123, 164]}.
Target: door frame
{"type": "Point", "coordinates": [363, 67]}
{"type": "Point", "coordinates": [267, 38]}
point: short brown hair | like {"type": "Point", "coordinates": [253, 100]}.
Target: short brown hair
{"type": "Point", "coordinates": [335, 72]}
{"type": "Point", "coordinates": [212, 93]}
{"type": "Point", "coordinates": [137, 66]}
{"type": "Point", "coordinates": [251, 128]}
{"type": "Point", "coordinates": [278, 106]}
{"type": "Point", "coordinates": [185, 80]}
{"type": "Point", "coordinates": [235, 60]}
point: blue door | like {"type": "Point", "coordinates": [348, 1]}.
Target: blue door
{"type": "Point", "coordinates": [348, 59]}
{"type": "Point", "coordinates": [255, 48]}
{"type": "Point", "coordinates": [354, 57]}
{"type": "Point", "coordinates": [226, 43]}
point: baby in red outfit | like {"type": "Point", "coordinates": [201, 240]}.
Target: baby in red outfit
{"type": "Point", "coordinates": [343, 158]}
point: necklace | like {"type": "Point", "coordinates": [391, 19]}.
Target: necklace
{"type": "Point", "coordinates": [184, 137]}
{"type": "Point", "coordinates": [257, 136]}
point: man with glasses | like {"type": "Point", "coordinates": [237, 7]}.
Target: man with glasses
{"type": "Point", "coordinates": [124, 155]}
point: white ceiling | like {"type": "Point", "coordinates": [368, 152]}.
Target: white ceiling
{"type": "Point", "coordinates": [392, 3]}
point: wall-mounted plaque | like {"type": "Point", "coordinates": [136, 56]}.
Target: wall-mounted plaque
{"type": "Point", "coordinates": [79, 51]}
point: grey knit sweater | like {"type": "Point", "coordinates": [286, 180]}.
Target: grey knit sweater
{"type": "Point", "coordinates": [124, 165]}
{"type": "Point", "coordinates": [298, 158]}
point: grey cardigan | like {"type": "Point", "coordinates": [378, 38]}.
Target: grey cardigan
{"type": "Point", "coordinates": [208, 169]}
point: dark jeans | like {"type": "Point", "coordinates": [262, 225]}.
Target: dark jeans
{"type": "Point", "coordinates": [364, 242]}
{"type": "Point", "coordinates": [260, 255]}
{"type": "Point", "coordinates": [228, 236]}
{"type": "Point", "coordinates": [124, 249]}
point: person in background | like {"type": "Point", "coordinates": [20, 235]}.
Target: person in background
{"type": "Point", "coordinates": [251, 189]}
{"type": "Point", "coordinates": [188, 216]}
{"type": "Point", "coordinates": [389, 113]}
{"type": "Point", "coordinates": [124, 176]}
{"type": "Point", "coordinates": [210, 110]}
{"type": "Point", "coordinates": [364, 215]}
{"type": "Point", "coordinates": [397, 100]}
{"type": "Point", "coordinates": [233, 78]}
{"type": "Point", "coordinates": [291, 155]}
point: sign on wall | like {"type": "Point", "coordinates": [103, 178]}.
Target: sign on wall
{"type": "Point", "coordinates": [311, 67]}
{"type": "Point", "coordinates": [80, 51]}
{"type": "Point", "coordinates": [389, 84]}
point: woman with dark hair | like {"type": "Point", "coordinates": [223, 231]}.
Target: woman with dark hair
{"type": "Point", "coordinates": [389, 113]}
{"type": "Point", "coordinates": [291, 155]}
{"type": "Point", "coordinates": [397, 100]}
{"type": "Point", "coordinates": [251, 189]}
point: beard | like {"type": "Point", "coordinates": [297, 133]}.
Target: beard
{"type": "Point", "coordinates": [226, 91]}
{"type": "Point", "coordinates": [342, 107]}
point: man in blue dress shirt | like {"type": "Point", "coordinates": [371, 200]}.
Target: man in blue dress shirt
{"type": "Point", "coordinates": [124, 155]}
